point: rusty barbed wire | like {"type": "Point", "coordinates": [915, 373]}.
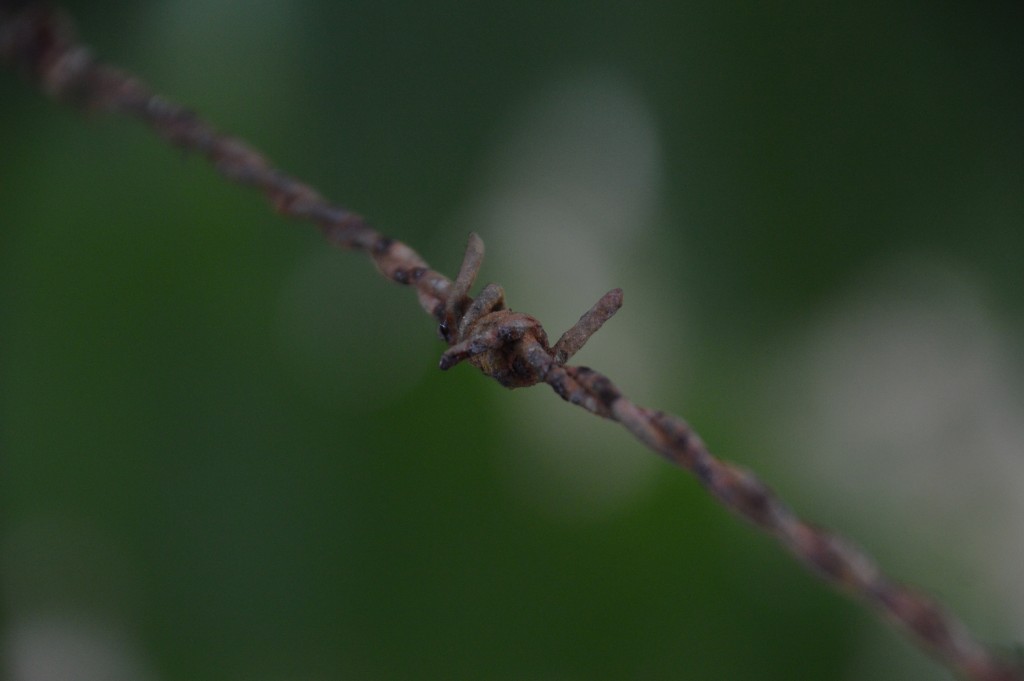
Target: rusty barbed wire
{"type": "Point", "coordinates": [507, 346]}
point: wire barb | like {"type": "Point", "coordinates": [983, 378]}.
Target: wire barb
{"type": "Point", "coordinates": [508, 346]}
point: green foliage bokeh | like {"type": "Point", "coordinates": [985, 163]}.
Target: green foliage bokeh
{"type": "Point", "coordinates": [176, 469]}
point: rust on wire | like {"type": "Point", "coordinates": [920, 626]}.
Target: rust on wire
{"type": "Point", "coordinates": [511, 347]}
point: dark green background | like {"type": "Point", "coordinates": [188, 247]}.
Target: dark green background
{"type": "Point", "coordinates": [171, 474]}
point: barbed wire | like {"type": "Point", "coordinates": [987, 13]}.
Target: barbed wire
{"type": "Point", "coordinates": [510, 347]}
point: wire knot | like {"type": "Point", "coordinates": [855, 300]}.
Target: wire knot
{"type": "Point", "coordinates": [510, 347]}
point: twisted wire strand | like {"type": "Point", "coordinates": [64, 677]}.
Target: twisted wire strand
{"type": "Point", "coordinates": [40, 43]}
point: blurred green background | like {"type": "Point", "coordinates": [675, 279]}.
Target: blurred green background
{"type": "Point", "coordinates": [226, 451]}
